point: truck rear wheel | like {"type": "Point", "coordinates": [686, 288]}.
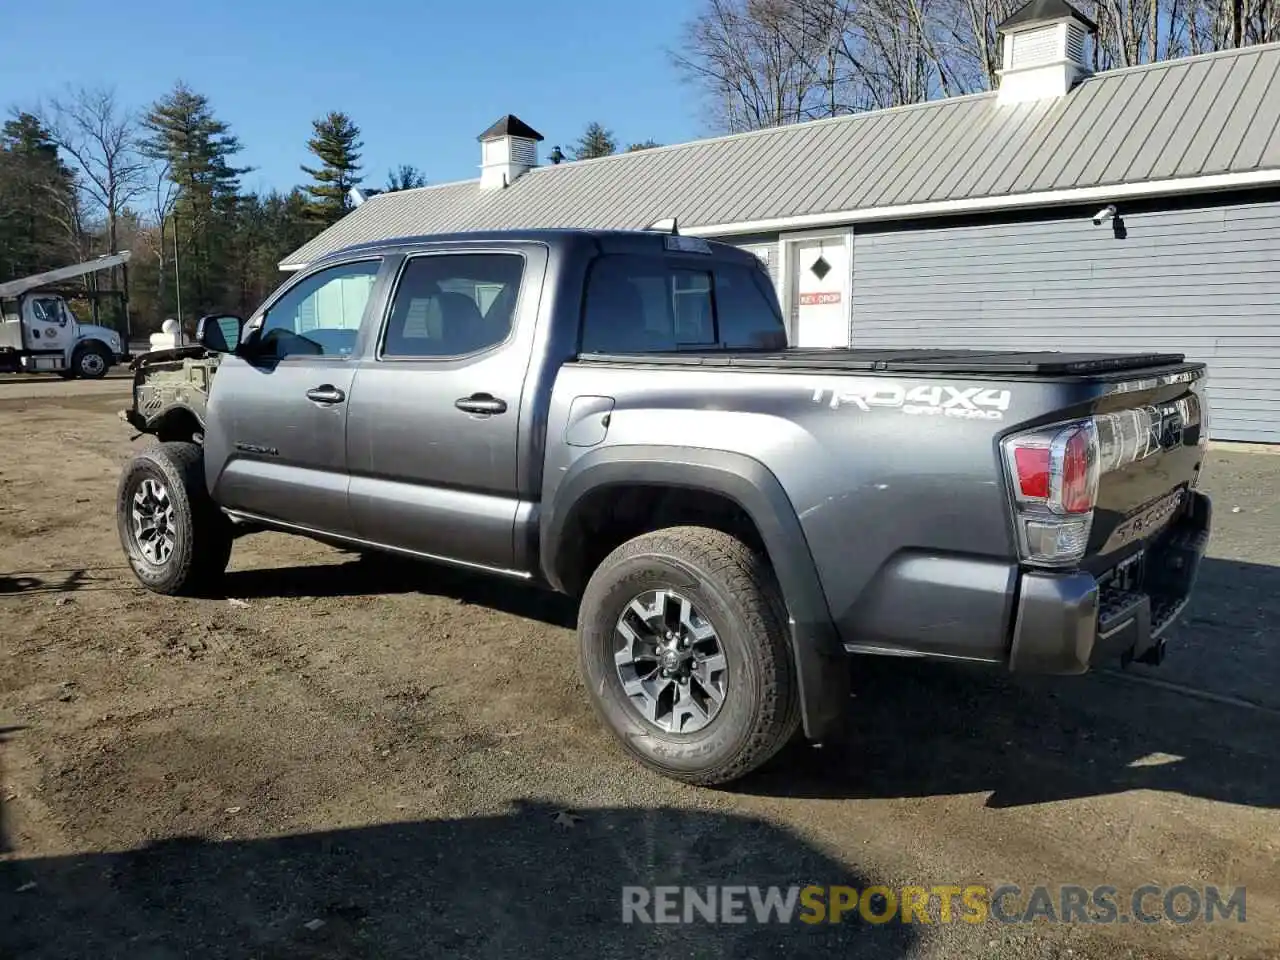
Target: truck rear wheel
{"type": "Point", "coordinates": [176, 539]}
{"type": "Point", "coordinates": [90, 361]}
{"type": "Point", "coordinates": [686, 657]}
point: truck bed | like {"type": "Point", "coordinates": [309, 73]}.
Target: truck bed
{"type": "Point", "coordinates": [934, 361]}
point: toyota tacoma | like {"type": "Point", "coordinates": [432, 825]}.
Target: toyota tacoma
{"type": "Point", "coordinates": [618, 416]}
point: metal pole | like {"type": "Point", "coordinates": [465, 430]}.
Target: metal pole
{"type": "Point", "coordinates": [177, 271]}
{"type": "Point", "coordinates": [128, 324]}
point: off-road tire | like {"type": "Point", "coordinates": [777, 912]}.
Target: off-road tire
{"type": "Point", "coordinates": [203, 534]}
{"type": "Point", "coordinates": [733, 588]}
{"type": "Point", "coordinates": [95, 349]}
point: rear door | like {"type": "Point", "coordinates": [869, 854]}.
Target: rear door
{"type": "Point", "coordinates": [433, 429]}
{"type": "Point", "coordinates": [277, 421]}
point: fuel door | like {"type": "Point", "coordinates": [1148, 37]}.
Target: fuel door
{"type": "Point", "coordinates": [588, 422]}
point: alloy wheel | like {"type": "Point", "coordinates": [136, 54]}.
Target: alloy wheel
{"type": "Point", "coordinates": [153, 521]}
{"type": "Point", "coordinates": [670, 661]}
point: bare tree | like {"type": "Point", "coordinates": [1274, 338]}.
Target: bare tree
{"type": "Point", "coordinates": [757, 66]}
{"type": "Point", "coordinates": [761, 63]}
{"type": "Point", "coordinates": [163, 200]}
{"type": "Point", "coordinates": [99, 137]}
{"type": "Point", "coordinates": [66, 209]}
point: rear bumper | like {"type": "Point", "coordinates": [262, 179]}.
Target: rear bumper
{"type": "Point", "coordinates": [1066, 623]}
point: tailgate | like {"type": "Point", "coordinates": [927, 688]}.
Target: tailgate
{"type": "Point", "coordinates": [1114, 473]}
{"type": "Point", "coordinates": [1151, 446]}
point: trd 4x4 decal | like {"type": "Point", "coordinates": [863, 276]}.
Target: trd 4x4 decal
{"type": "Point", "coordinates": [943, 400]}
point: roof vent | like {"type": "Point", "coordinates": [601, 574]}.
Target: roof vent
{"type": "Point", "coordinates": [1044, 51]}
{"type": "Point", "coordinates": [507, 149]}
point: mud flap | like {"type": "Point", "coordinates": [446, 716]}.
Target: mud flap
{"type": "Point", "coordinates": [822, 674]}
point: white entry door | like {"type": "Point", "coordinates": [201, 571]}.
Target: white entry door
{"type": "Point", "coordinates": [820, 277]}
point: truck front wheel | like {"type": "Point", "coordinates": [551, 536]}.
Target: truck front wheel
{"type": "Point", "coordinates": [90, 361]}
{"type": "Point", "coordinates": [176, 539]}
{"type": "Point", "coordinates": [685, 654]}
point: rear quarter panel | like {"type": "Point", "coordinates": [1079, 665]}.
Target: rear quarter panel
{"type": "Point", "coordinates": [896, 507]}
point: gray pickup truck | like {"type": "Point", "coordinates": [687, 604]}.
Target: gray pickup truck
{"type": "Point", "coordinates": [617, 416]}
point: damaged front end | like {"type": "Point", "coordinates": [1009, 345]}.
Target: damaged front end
{"type": "Point", "coordinates": [171, 392]}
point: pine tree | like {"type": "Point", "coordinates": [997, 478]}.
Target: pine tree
{"type": "Point", "coordinates": [405, 177]}
{"type": "Point", "coordinates": [337, 144]}
{"type": "Point", "coordinates": [643, 145]}
{"type": "Point", "coordinates": [40, 218]}
{"type": "Point", "coordinates": [196, 150]}
{"type": "Point", "coordinates": [268, 228]}
{"type": "Point", "coordinates": [595, 142]}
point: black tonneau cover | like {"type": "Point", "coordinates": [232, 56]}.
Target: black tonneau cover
{"type": "Point", "coordinates": [1036, 363]}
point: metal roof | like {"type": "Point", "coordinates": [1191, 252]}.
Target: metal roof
{"type": "Point", "coordinates": [510, 126]}
{"type": "Point", "coordinates": [1195, 123]}
{"type": "Point", "coordinates": [1044, 11]}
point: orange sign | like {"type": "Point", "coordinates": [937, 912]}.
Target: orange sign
{"type": "Point", "coordinates": [808, 299]}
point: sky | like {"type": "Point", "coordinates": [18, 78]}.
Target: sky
{"type": "Point", "coordinates": [421, 79]}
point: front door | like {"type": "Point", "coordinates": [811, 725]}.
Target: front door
{"type": "Point", "coordinates": [276, 444]}
{"type": "Point", "coordinates": [820, 279]}
{"type": "Point", "coordinates": [434, 420]}
{"type": "Point", "coordinates": [47, 323]}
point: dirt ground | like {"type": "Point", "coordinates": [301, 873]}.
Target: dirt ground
{"type": "Point", "coordinates": [344, 759]}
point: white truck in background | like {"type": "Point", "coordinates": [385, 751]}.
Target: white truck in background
{"type": "Point", "coordinates": [41, 334]}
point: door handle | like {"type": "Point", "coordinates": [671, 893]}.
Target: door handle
{"type": "Point", "coordinates": [327, 393]}
{"type": "Point", "coordinates": [481, 403]}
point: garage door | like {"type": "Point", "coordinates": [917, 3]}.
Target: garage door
{"type": "Point", "coordinates": [1204, 282]}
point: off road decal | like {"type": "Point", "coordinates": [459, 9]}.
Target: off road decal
{"type": "Point", "coordinates": [931, 400]}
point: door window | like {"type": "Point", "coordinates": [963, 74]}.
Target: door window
{"type": "Point", "coordinates": [320, 316]}
{"type": "Point", "coordinates": [450, 305]}
{"type": "Point", "coordinates": [48, 310]}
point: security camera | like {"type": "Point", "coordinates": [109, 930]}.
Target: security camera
{"type": "Point", "coordinates": [1106, 213]}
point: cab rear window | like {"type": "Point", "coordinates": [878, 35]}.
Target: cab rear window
{"type": "Point", "coordinates": [639, 304]}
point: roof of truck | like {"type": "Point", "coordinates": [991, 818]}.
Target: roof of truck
{"type": "Point", "coordinates": [608, 239]}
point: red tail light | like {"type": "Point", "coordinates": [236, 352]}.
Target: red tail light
{"type": "Point", "coordinates": [1032, 464]}
{"type": "Point", "coordinates": [1055, 477]}
{"type": "Point", "coordinates": [1079, 479]}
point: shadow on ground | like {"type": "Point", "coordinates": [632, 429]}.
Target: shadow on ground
{"type": "Point", "coordinates": [391, 575]}
{"type": "Point", "coordinates": [5, 734]}
{"type": "Point", "coordinates": [58, 581]}
{"type": "Point", "coordinates": [921, 729]}
{"type": "Point", "coordinates": [519, 884]}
